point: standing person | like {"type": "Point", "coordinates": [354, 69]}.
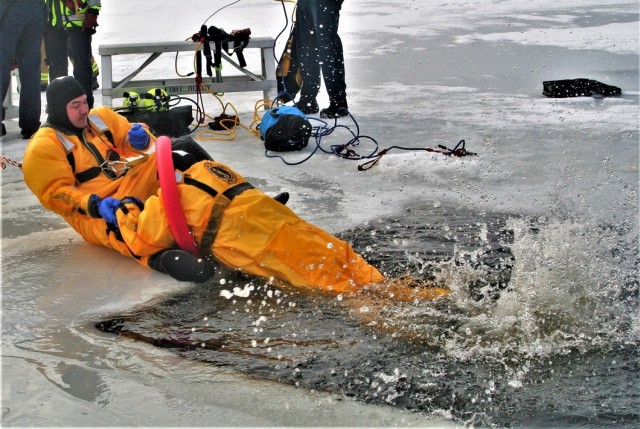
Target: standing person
{"type": "Point", "coordinates": [319, 48]}
{"type": "Point", "coordinates": [21, 28]}
{"type": "Point", "coordinates": [72, 24]}
{"type": "Point", "coordinates": [81, 164]}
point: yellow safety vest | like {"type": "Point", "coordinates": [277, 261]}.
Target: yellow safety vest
{"type": "Point", "coordinates": [69, 13]}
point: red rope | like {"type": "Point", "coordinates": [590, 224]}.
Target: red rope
{"type": "Point", "coordinates": [459, 150]}
{"type": "Point", "coordinates": [367, 165]}
{"type": "Point", "coordinates": [4, 161]}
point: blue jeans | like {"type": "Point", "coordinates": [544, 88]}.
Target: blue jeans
{"type": "Point", "coordinates": [320, 49]}
{"type": "Point", "coordinates": [21, 30]}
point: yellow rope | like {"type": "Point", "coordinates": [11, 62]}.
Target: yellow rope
{"type": "Point", "coordinates": [194, 59]}
{"type": "Point", "coordinates": [230, 125]}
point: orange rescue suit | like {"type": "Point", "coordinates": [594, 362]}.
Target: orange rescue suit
{"type": "Point", "coordinates": [251, 232]}
{"type": "Point", "coordinates": [63, 171]}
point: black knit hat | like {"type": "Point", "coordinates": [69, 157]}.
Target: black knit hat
{"type": "Point", "coordinates": [59, 93]}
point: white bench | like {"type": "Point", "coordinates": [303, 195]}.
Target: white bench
{"type": "Point", "coordinates": [264, 81]}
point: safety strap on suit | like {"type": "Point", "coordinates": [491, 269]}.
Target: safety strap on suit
{"type": "Point", "coordinates": [222, 200]}
{"type": "Point", "coordinates": [91, 172]}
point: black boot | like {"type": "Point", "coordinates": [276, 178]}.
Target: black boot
{"type": "Point", "coordinates": [282, 198]}
{"type": "Point", "coordinates": [182, 265]}
{"type": "Point", "coordinates": [334, 111]}
{"type": "Point", "coordinates": [308, 105]}
{"type": "Point", "coordinates": [338, 106]}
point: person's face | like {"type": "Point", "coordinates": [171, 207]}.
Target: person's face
{"type": "Point", "coordinates": [78, 111]}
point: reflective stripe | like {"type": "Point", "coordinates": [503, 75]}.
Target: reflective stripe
{"type": "Point", "coordinates": [98, 123]}
{"type": "Point", "coordinates": [62, 16]}
{"type": "Point", "coordinates": [68, 144]}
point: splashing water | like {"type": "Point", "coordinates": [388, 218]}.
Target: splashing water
{"type": "Point", "coordinates": [542, 314]}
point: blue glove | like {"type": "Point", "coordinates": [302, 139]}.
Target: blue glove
{"type": "Point", "coordinates": [107, 209]}
{"type": "Point", "coordinates": [138, 137]}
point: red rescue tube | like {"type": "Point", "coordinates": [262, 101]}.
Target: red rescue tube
{"type": "Point", "coordinates": [171, 197]}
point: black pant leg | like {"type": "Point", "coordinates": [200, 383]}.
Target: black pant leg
{"type": "Point", "coordinates": [55, 44]}
{"type": "Point", "coordinates": [79, 42]}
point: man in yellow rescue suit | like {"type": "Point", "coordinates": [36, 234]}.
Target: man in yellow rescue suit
{"type": "Point", "coordinates": [239, 226]}
{"type": "Point", "coordinates": [76, 164]}
{"type": "Point", "coordinates": [81, 163]}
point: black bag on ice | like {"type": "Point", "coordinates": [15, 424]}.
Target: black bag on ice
{"type": "Point", "coordinates": [577, 88]}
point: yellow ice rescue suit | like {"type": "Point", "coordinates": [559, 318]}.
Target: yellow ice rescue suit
{"type": "Point", "coordinates": [64, 171]}
{"type": "Point", "coordinates": [241, 227]}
